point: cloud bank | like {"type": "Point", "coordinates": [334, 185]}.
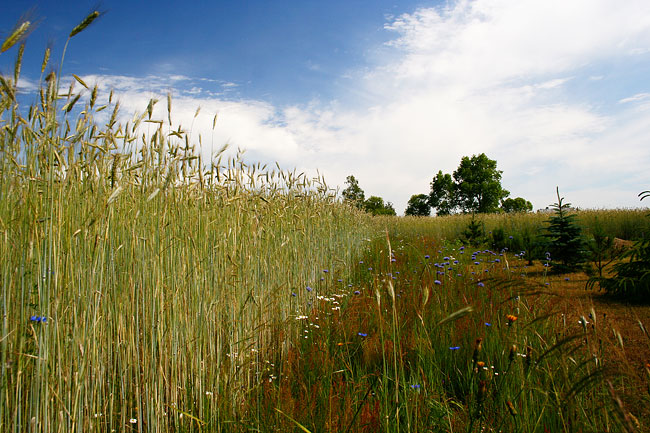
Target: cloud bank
{"type": "Point", "coordinates": [535, 85]}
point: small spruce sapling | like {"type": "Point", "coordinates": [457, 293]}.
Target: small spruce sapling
{"type": "Point", "coordinates": [564, 239]}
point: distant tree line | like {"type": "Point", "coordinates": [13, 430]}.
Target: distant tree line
{"type": "Point", "coordinates": [354, 195]}
{"type": "Point", "coordinates": [475, 187]}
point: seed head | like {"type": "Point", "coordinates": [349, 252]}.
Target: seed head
{"type": "Point", "coordinates": [85, 23]}
{"type": "Point", "coordinates": [20, 32]}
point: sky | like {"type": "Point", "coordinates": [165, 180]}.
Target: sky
{"type": "Point", "coordinates": [556, 91]}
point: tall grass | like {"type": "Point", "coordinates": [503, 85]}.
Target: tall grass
{"type": "Point", "coordinates": [143, 288]}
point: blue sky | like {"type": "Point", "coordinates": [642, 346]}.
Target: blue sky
{"type": "Point", "coordinates": [557, 92]}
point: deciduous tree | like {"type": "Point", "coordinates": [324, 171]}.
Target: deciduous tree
{"type": "Point", "coordinates": [418, 205]}
{"type": "Point", "coordinates": [518, 204]}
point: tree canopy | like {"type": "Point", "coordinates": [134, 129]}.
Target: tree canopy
{"type": "Point", "coordinates": [354, 195]}
{"type": "Point", "coordinates": [511, 205]}
{"type": "Point", "coordinates": [474, 187]}
{"type": "Point", "coordinates": [376, 206]}
{"type": "Point", "coordinates": [418, 205]}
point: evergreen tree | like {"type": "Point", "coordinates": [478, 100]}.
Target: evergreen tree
{"type": "Point", "coordinates": [565, 242]}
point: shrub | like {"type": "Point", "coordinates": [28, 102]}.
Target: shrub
{"type": "Point", "coordinates": [631, 280]}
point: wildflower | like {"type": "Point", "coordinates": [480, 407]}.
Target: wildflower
{"type": "Point", "coordinates": [293, 294]}
{"type": "Point", "coordinates": [309, 289]}
{"type": "Point", "coordinates": [437, 282]}
{"type": "Point", "coordinates": [133, 421]}
{"type": "Point", "coordinates": [476, 263]}
{"type": "Point", "coordinates": [361, 334]}
{"type": "Point", "coordinates": [426, 257]}
{"type": "Point", "coordinates": [325, 270]}
{"type": "Point", "coordinates": [481, 284]}
{"type": "Point", "coordinates": [415, 386]}
{"type": "Point", "coordinates": [488, 324]}
{"type": "Point", "coordinates": [454, 348]}
{"type": "Point", "coordinates": [511, 318]}
{"type": "Point", "coordinates": [356, 292]}
{"type": "Point", "coordinates": [566, 279]}
{"type": "Point", "coordinates": [393, 260]}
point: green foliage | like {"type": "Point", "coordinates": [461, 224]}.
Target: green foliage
{"type": "Point", "coordinates": [475, 187]}
{"type": "Point", "coordinates": [518, 204]}
{"type": "Point", "coordinates": [600, 249]}
{"type": "Point", "coordinates": [564, 239]}
{"type": "Point", "coordinates": [418, 205]}
{"type": "Point", "coordinates": [353, 194]}
{"type": "Point", "coordinates": [478, 184]}
{"type": "Point", "coordinates": [442, 197]}
{"type": "Point", "coordinates": [631, 280]}
{"type": "Point", "coordinates": [474, 233]}
{"type": "Point", "coordinates": [376, 206]}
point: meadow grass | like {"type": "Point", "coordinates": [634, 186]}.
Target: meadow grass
{"type": "Point", "coordinates": [144, 289]}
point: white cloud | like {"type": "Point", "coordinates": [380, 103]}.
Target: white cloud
{"type": "Point", "coordinates": [478, 76]}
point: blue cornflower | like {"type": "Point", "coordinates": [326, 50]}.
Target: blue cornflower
{"type": "Point", "coordinates": [325, 270]}
{"type": "Point", "coordinates": [480, 284]}
{"type": "Point", "coordinates": [361, 334]}
{"type": "Point", "coordinates": [437, 282]}
{"type": "Point", "coordinates": [488, 324]}
{"type": "Point", "coordinates": [426, 257]}
{"type": "Point", "coordinates": [293, 294]}
{"type": "Point", "coordinates": [356, 292]}
{"type": "Point", "coordinates": [415, 386]}
{"type": "Point", "coordinates": [454, 348]}
{"type": "Point", "coordinates": [309, 289]}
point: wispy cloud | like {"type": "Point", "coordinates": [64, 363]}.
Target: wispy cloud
{"type": "Point", "coordinates": [491, 76]}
